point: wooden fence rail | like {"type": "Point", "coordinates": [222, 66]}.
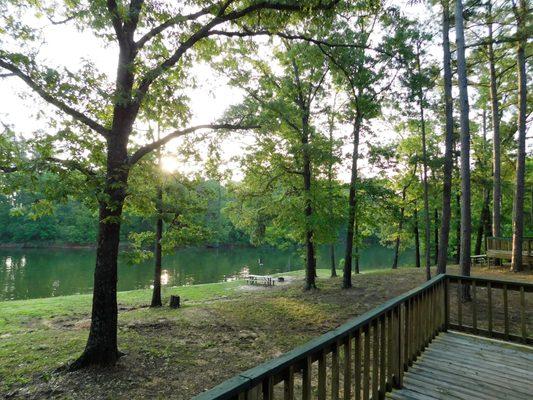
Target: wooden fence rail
{"type": "Point", "coordinates": [493, 302]}
{"type": "Point", "coordinates": [367, 357]}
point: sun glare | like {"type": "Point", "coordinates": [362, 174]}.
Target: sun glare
{"type": "Point", "coordinates": [169, 164]}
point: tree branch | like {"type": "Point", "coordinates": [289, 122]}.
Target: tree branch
{"type": "Point", "coordinates": [115, 19]}
{"type": "Point", "coordinates": [54, 101]}
{"type": "Point", "coordinates": [204, 32]}
{"type": "Point", "coordinates": [140, 153]}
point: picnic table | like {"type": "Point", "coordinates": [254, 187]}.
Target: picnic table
{"type": "Point", "coordinates": [264, 280]}
{"type": "Point", "coordinates": [479, 259]}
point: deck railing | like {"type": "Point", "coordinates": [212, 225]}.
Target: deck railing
{"type": "Point", "coordinates": [367, 357]}
{"type": "Point", "coordinates": [497, 308]}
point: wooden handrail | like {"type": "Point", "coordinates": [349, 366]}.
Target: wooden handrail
{"type": "Point", "coordinates": [394, 333]}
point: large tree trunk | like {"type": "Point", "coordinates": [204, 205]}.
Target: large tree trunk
{"type": "Point", "coordinates": [156, 294]}
{"type": "Point", "coordinates": [398, 235]}
{"type": "Point", "coordinates": [458, 228]}
{"type": "Point", "coordinates": [436, 235]}
{"type": "Point", "coordinates": [448, 151]}
{"type": "Point", "coordinates": [347, 273]}
{"type": "Point", "coordinates": [427, 223]}
{"type": "Point", "coordinates": [417, 239]}
{"type": "Point", "coordinates": [310, 282]}
{"type": "Point", "coordinates": [466, 217]}
{"type": "Point", "coordinates": [518, 204]}
{"type": "Point", "coordinates": [484, 216]}
{"type": "Point", "coordinates": [330, 193]}
{"type": "Point", "coordinates": [101, 348]}
{"type": "Point", "coordinates": [495, 108]}
{"type": "Point", "coordinates": [332, 260]}
{"type": "Point", "coordinates": [356, 246]}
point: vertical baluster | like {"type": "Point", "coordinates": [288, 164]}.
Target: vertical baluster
{"type": "Point", "coordinates": [460, 304]}
{"type": "Point", "coordinates": [306, 379]}
{"type": "Point", "coordinates": [347, 368]}
{"type": "Point", "coordinates": [357, 365]}
{"type": "Point", "coordinates": [375, 359]}
{"type": "Point", "coordinates": [505, 312]}
{"type": "Point", "coordinates": [400, 346]}
{"type": "Point", "coordinates": [322, 376]}
{"type": "Point", "coordinates": [288, 385]}
{"type": "Point", "coordinates": [489, 307]}
{"type": "Point", "coordinates": [390, 350]}
{"type": "Point", "coordinates": [253, 393]}
{"type": "Point", "coordinates": [335, 371]}
{"type": "Point", "coordinates": [415, 328]}
{"type": "Point", "coordinates": [446, 304]}
{"type": "Point", "coordinates": [382, 365]}
{"type": "Point", "coordinates": [474, 306]}
{"type": "Point", "coordinates": [407, 332]}
{"type": "Point", "coordinates": [366, 363]}
{"type": "Point", "coordinates": [268, 389]}
{"type": "Point", "coordinates": [523, 313]}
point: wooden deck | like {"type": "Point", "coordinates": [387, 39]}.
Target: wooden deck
{"type": "Point", "coordinates": [461, 366]}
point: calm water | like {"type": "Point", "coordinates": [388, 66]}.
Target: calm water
{"type": "Point", "coordinates": [33, 273]}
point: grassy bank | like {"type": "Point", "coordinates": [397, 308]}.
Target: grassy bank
{"type": "Point", "coordinates": [222, 329]}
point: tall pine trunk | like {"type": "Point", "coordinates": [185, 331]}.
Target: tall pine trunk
{"type": "Point", "coordinates": [448, 142]}
{"type": "Point", "coordinates": [352, 199]}
{"type": "Point", "coordinates": [436, 235]}
{"type": "Point", "coordinates": [417, 239]}
{"type": "Point", "coordinates": [458, 228]}
{"type": "Point", "coordinates": [518, 205]}
{"type": "Point", "coordinates": [495, 109]}
{"type": "Point", "coordinates": [427, 223]}
{"type": "Point", "coordinates": [484, 216]}
{"type": "Point", "coordinates": [466, 217]}
{"type": "Point", "coordinates": [156, 293]}
{"type": "Point", "coordinates": [332, 260]}
{"type": "Point", "coordinates": [400, 228]}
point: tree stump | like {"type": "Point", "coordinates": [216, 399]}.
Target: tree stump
{"type": "Point", "coordinates": [174, 301]}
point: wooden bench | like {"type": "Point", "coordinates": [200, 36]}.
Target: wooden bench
{"type": "Point", "coordinates": [263, 280]}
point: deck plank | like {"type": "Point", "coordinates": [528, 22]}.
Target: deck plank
{"type": "Point", "coordinates": [458, 366]}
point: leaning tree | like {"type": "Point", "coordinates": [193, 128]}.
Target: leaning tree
{"type": "Point", "coordinates": [157, 45]}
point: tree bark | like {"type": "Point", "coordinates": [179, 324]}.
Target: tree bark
{"type": "Point", "coordinates": [332, 260]}
{"type": "Point", "coordinates": [466, 217]}
{"type": "Point", "coordinates": [156, 293]}
{"type": "Point", "coordinates": [458, 228]}
{"type": "Point", "coordinates": [417, 239]}
{"type": "Point", "coordinates": [352, 199]}
{"type": "Point", "coordinates": [436, 235]}
{"type": "Point", "coordinates": [518, 204]}
{"type": "Point", "coordinates": [427, 223]}
{"type": "Point", "coordinates": [495, 109]}
{"type": "Point", "coordinates": [309, 233]}
{"type": "Point", "coordinates": [398, 236]}
{"type": "Point", "coordinates": [101, 348]}
{"type": "Point", "coordinates": [448, 142]}
{"type": "Point", "coordinates": [356, 255]}
{"type": "Point", "coordinates": [484, 216]}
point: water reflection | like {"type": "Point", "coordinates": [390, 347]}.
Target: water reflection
{"type": "Point", "coordinates": [33, 273]}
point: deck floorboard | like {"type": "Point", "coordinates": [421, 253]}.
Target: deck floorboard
{"type": "Point", "coordinates": [466, 367]}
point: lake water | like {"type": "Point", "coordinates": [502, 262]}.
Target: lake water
{"type": "Point", "coordinates": [34, 273]}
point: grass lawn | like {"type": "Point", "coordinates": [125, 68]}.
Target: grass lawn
{"type": "Point", "coordinates": [222, 329]}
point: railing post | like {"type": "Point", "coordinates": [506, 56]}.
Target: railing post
{"type": "Point", "coordinates": [446, 304]}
